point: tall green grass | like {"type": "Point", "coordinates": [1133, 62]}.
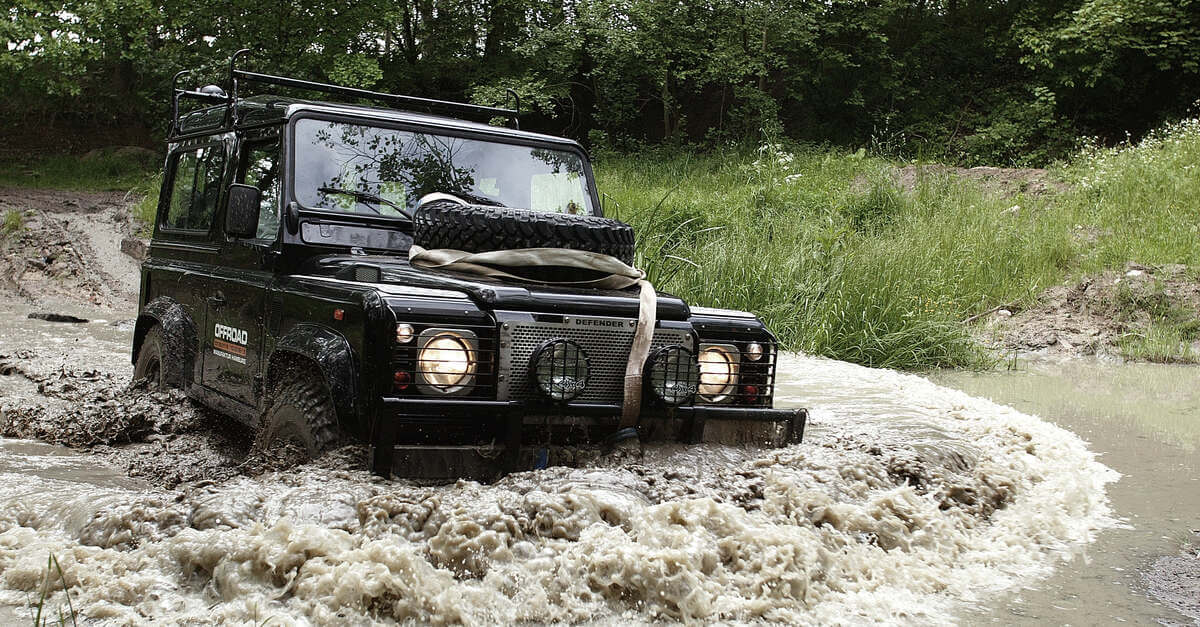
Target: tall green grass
{"type": "Point", "coordinates": [1144, 198]}
{"type": "Point", "coordinates": [111, 169]}
{"type": "Point", "coordinates": [841, 262]}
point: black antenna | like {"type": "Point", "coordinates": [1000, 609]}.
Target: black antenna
{"type": "Point", "coordinates": [516, 119]}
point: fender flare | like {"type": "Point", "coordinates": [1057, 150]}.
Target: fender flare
{"type": "Point", "coordinates": [325, 348]}
{"type": "Point", "coordinates": [179, 330]}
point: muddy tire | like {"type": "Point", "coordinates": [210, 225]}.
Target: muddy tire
{"type": "Point", "coordinates": [481, 229]}
{"type": "Point", "coordinates": [156, 364]}
{"type": "Point", "coordinates": [303, 412]}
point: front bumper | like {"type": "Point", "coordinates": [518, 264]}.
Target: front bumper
{"type": "Point", "coordinates": [519, 436]}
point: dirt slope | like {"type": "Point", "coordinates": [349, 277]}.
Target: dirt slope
{"type": "Point", "coordinates": [1101, 313]}
{"type": "Point", "coordinates": [68, 246]}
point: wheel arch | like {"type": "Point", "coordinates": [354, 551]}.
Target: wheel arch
{"type": "Point", "coordinates": [325, 351]}
{"type": "Point", "coordinates": [179, 331]}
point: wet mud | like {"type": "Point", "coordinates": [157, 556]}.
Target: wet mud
{"type": "Point", "coordinates": [1175, 579]}
{"type": "Point", "coordinates": [68, 246]}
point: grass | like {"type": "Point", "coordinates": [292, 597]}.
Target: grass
{"type": "Point", "coordinates": [40, 618]}
{"type": "Point", "coordinates": [1163, 342]}
{"type": "Point", "coordinates": [841, 262]}
{"type": "Point", "coordinates": [1170, 332]}
{"type": "Point", "coordinates": [146, 207]}
{"type": "Point", "coordinates": [113, 169]}
{"type": "Point", "coordinates": [14, 222]}
{"type": "Point", "coordinates": [1144, 197]}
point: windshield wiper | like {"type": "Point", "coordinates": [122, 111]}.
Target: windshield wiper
{"type": "Point", "coordinates": [367, 197]}
{"type": "Point", "coordinates": [479, 200]}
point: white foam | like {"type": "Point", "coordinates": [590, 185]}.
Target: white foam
{"type": "Point", "coordinates": [906, 502]}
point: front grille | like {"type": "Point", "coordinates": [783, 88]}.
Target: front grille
{"type": "Point", "coordinates": [607, 342]}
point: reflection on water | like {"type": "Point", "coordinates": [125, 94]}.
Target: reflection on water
{"type": "Point", "coordinates": [1160, 401]}
{"type": "Point", "coordinates": [1144, 420]}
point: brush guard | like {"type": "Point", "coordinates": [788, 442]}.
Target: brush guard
{"type": "Point", "coordinates": [511, 449]}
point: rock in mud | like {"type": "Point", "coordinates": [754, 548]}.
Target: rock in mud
{"type": "Point", "coordinates": [56, 317]}
{"type": "Point", "coordinates": [134, 247]}
{"type": "Point", "coordinates": [1175, 579]}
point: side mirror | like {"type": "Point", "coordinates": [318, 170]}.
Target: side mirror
{"type": "Point", "coordinates": [241, 214]}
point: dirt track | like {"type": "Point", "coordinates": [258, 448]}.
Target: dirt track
{"type": "Point", "coordinates": [68, 248]}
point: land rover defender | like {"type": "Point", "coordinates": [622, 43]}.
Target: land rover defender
{"type": "Point", "coordinates": [278, 289]}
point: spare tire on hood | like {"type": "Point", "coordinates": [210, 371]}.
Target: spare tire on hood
{"type": "Point", "coordinates": [483, 228]}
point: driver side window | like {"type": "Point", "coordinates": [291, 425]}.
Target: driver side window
{"type": "Point", "coordinates": [260, 168]}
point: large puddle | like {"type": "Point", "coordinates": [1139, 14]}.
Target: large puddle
{"type": "Point", "coordinates": [1144, 420]}
{"type": "Point", "coordinates": [907, 502]}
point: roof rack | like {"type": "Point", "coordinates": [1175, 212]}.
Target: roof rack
{"type": "Point", "coordinates": [395, 100]}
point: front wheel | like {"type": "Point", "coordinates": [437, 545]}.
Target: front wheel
{"type": "Point", "coordinates": [301, 412]}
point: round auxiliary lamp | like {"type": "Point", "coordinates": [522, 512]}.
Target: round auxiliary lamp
{"type": "Point", "coordinates": [672, 374]}
{"type": "Point", "coordinates": [559, 369]}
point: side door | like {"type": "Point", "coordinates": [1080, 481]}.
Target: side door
{"type": "Point", "coordinates": [234, 333]}
{"type": "Point", "coordinates": [182, 252]}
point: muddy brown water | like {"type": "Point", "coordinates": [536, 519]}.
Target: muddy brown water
{"type": "Point", "coordinates": [908, 502]}
{"type": "Point", "coordinates": [1144, 419]}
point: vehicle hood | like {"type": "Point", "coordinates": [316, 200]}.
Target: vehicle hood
{"type": "Point", "coordinates": [499, 294]}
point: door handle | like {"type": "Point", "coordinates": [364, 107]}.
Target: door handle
{"type": "Point", "coordinates": [217, 300]}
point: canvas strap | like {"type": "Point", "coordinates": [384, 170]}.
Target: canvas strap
{"type": "Point", "coordinates": [616, 275]}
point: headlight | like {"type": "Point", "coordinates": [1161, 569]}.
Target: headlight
{"type": "Point", "coordinates": [674, 374]}
{"type": "Point", "coordinates": [718, 371]}
{"type": "Point", "coordinates": [559, 368]}
{"type": "Point", "coordinates": [446, 361]}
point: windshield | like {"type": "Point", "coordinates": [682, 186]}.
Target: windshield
{"type": "Point", "coordinates": [341, 166]}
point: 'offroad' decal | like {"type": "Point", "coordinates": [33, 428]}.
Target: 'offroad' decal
{"type": "Point", "coordinates": [230, 343]}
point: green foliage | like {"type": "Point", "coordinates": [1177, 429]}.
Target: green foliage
{"type": "Point", "coordinates": [13, 223]}
{"type": "Point", "coordinates": [145, 209]}
{"type": "Point", "coordinates": [1143, 198]}
{"type": "Point", "coordinates": [807, 261]}
{"type": "Point", "coordinates": [355, 70]}
{"type": "Point", "coordinates": [841, 262]}
{"type": "Point", "coordinates": [1164, 342]}
{"type": "Point", "coordinates": [973, 82]}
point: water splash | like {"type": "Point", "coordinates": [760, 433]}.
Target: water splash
{"type": "Point", "coordinates": [906, 502]}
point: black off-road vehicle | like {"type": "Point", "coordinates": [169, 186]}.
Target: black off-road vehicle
{"type": "Point", "coordinates": [279, 290]}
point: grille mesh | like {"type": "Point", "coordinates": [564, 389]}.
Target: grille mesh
{"type": "Point", "coordinates": [607, 349]}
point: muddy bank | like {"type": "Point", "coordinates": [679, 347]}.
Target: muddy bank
{"type": "Point", "coordinates": [1003, 181]}
{"type": "Point", "coordinates": [68, 246]}
{"type": "Point", "coordinates": [1103, 314]}
{"type": "Point", "coordinates": [1175, 579]}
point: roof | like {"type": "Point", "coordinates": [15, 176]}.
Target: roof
{"type": "Point", "coordinates": [267, 109]}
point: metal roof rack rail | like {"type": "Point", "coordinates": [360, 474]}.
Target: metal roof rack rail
{"type": "Point", "coordinates": [395, 100]}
